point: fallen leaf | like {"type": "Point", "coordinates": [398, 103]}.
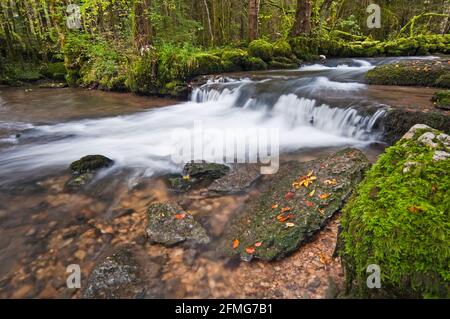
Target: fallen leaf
{"type": "Point", "coordinates": [323, 259]}
{"type": "Point", "coordinates": [309, 204]}
{"type": "Point", "coordinates": [324, 196]}
{"type": "Point", "coordinates": [310, 174]}
{"type": "Point", "coordinates": [235, 244]}
{"type": "Point", "coordinates": [275, 206]}
{"type": "Point", "coordinates": [321, 211]}
{"type": "Point", "coordinates": [258, 244]}
{"type": "Point", "coordinates": [312, 193]}
{"type": "Point", "coordinates": [180, 216]}
{"type": "Point", "coordinates": [289, 195]}
{"type": "Point", "coordinates": [186, 178]}
{"type": "Point", "coordinates": [250, 250]}
{"type": "Point", "coordinates": [414, 209]}
{"type": "Point", "coordinates": [331, 182]}
{"type": "Point", "coordinates": [290, 224]}
{"type": "Point", "coordinates": [285, 209]}
{"type": "Point", "coordinates": [283, 217]}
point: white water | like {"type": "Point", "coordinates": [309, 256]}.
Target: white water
{"type": "Point", "coordinates": [144, 140]}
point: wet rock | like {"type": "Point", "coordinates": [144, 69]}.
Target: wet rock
{"type": "Point", "coordinates": [84, 170]}
{"type": "Point", "coordinates": [90, 163]}
{"type": "Point", "coordinates": [275, 224]}
{"type": "Point", "coordinates": [197, 174]}
{"type": "Point", "coordinates": [240, 178]}
{"type": "Point", "coordinates": [126, 274]}
{"type": "Point", "coordinates": [168, 224]}
{"type": "Point", "coordinates": [53, 85]}
{"type": "Point", "coordinates": [441, 99]}
{"type": "Point", "coordinates": [398, 122]}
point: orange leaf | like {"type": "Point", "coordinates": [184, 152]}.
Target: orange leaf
{"type": "Point", "coordinates": [282, 217]}
{"type": "Point", "coordinates": [331, 182]}
{"type": "Point", "coordinates": [250, 250]}
{"type": "Point", "coordinates": [285, 209]}
{"type": "Point", "coordinates": [289, 195]}
{"type": "Point", "coordinates": [309, 204]}
{"type": "Point", "coordinates": [235, 244]}
{"type": "Point", "coordinates": [324, 196]}
{"type": "Point", "coordinates": [312, 193]}
{"type": "Point", "coordinates": [180, 216]}
{"type": "Point", "coordinates": [274, 206]}
{"type": "Point", "coordinates": [258, 244]}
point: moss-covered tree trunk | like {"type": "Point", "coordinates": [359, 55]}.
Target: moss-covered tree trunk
{"type": "Point", "coordinates": [302, 23]}
{"type": "Point", "coordinates": [253, 14]}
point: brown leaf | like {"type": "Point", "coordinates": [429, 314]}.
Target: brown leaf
{"type": "Point", "coordinates": [289, 195]}
{"type": "Point", "coordinates": [324, 196]}
{"type": "Point", "coordinates": [285, 209]}
{"type": "Point", "coordinates": [274, 206]}
{"type": "Point", "coordinates": [414, 209]}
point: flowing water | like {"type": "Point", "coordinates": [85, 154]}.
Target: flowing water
{"type": "Point", "coordinates": [316, 109]}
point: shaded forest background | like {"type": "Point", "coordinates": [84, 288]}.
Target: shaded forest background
{"type": "Point", "coordinates": [153, 46]}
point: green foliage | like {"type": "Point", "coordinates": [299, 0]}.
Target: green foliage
{"type": "Point", "coordinates": [349, 25]}
{"type": "Point", "coordinates": [399, 220]}
{"type": "Point", "coordinates": [261, 49]}
{"type": "Point", "coordinates": [282, 48]}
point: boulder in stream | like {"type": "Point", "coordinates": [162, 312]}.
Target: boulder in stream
{"type": "Point", "coordinates": [240, 178]}
{"type": "Point", "coordinates": [126, 274]}
{"type": "Point", "coordinates": [398, 219]}
{"type": "Point", "coordinates": [84, 170]}
{"type": "Point", "coordinates": [299, 200]}
{"type": "Point", "coordinates": [168, 224]}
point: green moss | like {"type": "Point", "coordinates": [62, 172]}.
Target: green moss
{"type": "Point", "coordinates": [417, 73]}
{"type": "Point", "coordinates": [89, 164]}
{"type": "Point", "coordinates": [255, 64]}
{"type": "Point", "coordinates": [261, 49]}
{"type": "Point", "coordinates": [55, 70]}
{"type": "Point", "coordinates": [282, 48]}
{"type": "Point", "coordinates": [443, 81]}
{"type": "Point", "coordinates": [442, 99]}
{"type": "Point", "coordinates": [400, 221]}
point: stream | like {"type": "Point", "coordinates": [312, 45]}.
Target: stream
{"type": "Point", "coordinates": [317, 109]}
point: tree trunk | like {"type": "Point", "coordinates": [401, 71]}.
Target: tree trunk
{"type": "Point", "coordinates": [302, 24]}
{"type": "Point", "coordinates": [253, 13]}
{"type": "Point", "coordinates": [142, 29]}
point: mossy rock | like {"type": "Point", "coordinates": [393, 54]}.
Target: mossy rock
{"type": "Point", "coordinates": [282, 65]}
{"type": "Point", "coordinates": [205, 63]}
{"type": "Point", "coordinates": [443, 81]}
{"type": "Point", "coordinates": [205, 171]}
{"type": "Point", "coordinates": [410, 73]}
{"type": "Point", "coordinates": [441, 99]}
{"type": "Point", "coordinates": [261, 49]}
{"type": "Point", "coordinates": [399, 219]}
{"type": "Point", "coordinates": [168, 224]}
{"type": "Point", "coordinates": [283, 217]}
{"type": "Point", "coordinates": [255, 64]}
{"type": "Point", "coordinates": [282, 48]}
{"type": "Point", "coordinates": [398, 121]}
{"type": "Point", "coordinates": [89, 164]}
{"type": "Point", "coordinates": [55, 70]}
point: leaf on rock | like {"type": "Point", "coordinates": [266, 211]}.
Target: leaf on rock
{"type": "Point", "coordinates": [309, 204]}
{"type": "Point", "coordinates": [258, 244]}
{"type": "Point", "coordinates": [312, 193]}
{"type": "Point", "coordinates": [324, 196]}
{"type": "Point", "coordinates": [290, 225]}
{"type": "Point", "coordinates": [180, 216]}
{"type": "Point", "coordinates": [235, 244]}
{"type": "Point", "coordinates": [331, 182]}
{"type": "Point", "coordinates": [274, 206]}
{"type": "Point", "coordinates": [285, 209]}
{"type": "Point", "coordinates": [289, 195]}
{"type": "Point", "coordinates": [250, 250]}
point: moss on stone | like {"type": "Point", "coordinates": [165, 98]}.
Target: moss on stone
{"type": "Point", "coordinates": [416, 73]}
{"type": "Point", "coordinates": [90, 163]}
{"type": "Point", "coordinates": [399, 219]}
{"type": "Point", "coordinates": [442, 99]}
{"type": "Point", "coordinates": [261, 49]}
{"type": "Point", "coordinates": [283, 217]}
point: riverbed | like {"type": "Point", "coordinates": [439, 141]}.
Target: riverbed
{"type": "Point", "coordinates": [318, 109]}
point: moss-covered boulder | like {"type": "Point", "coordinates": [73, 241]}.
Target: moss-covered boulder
{"type": "Point", "coordinates": [90, 163]}
{"type": "Point", "coordinates": [441, 99]}
{"type": "Point", "coordinates": [299, 200]}
{"type": "Point", "coordinates": [261, 49]}
{"type": "Point", "coordinates": [411, 73]}
{"type": "Point", "coordinates": [168, 224]}
{"type": "Point", "coordinates": [399, 219]}
{"type": "Point", "coordinates": [240, 178]}
{"type": "Point", "coordinates": [85, 169]}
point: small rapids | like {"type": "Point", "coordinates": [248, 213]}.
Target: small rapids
{"type": "Point", "coordinates": [303, 109]}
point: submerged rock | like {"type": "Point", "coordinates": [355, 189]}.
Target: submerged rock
{"type": "Point", "coordinates": [127, 274]}
{"type": "Point", "coordinates": [168, 224]}
{"type": "Point", "coordinates": [300, 199]}
{"type": "Point", "coordinates": [84, 170]}
{"type": "Point", "coordinates": [405, 228]}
